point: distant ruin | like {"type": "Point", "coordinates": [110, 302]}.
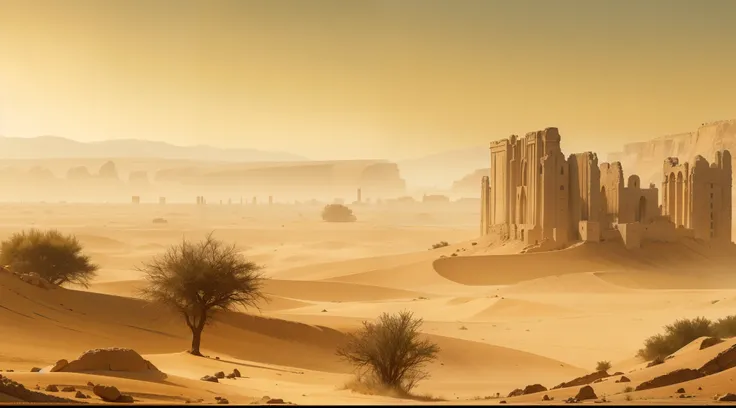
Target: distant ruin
{"type": "Point", "coordinates": [535, 195]}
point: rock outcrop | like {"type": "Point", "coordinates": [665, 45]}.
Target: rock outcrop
{"type": "Point", "coordinates": [674, 377]}
{"type": "Point", "coordinates": [723, 361]}
{"type": "Point", "coordinates": [586, 393]}
{"type": "Point", "coordinates": [107, 359]}
{"type": "Point", "coordinates": [584, 380]}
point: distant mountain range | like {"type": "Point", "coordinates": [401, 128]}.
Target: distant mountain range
{"type": "Point", "coordinates": [52, 147]}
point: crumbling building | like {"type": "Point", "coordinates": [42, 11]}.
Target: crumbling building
{"type": "Point", "coordinates": [536, 195]}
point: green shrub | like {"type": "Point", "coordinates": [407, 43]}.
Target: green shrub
{"type": "Point", "coordinates": [676, 336]}
{"type": "Point", "coordinates": [55, 257]}
{"type": "Point", "coordinates": [725, 327]}
{"type": "Point", "coordinates": [603, 366]}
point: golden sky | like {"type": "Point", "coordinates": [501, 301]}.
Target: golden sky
{"type": "Point", "coordinates": [372, 79]}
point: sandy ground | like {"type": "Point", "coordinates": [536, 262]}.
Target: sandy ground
{"type": "Point", "coordinates": [503, 320]}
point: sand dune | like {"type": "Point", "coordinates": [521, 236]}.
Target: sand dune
{"type": "Point", "coordinates": [506, 308]}
{"type": "Point", "coordinates": [589, 257]}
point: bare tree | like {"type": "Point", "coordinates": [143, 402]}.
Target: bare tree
{"type": "Point", "coordinates": [391, 351]}
{"type": "Point", "coordinates": [199, 279]}
{"type": "Point", "coordinates": [55, 257]}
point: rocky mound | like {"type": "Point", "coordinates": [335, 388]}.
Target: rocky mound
{"type": "Point", "coordinates": [17, 391]}
{"type": "Point", "coordinates": [107, 359]}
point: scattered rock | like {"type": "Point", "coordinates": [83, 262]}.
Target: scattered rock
{"type": "Point", "coordinates": [90, 384]}
{"type": "Point", "coordinates": [586, 393]}
{"type": "Point", "coordinates": [68, 389]}
{"type": "Point", "coordinates": [597, 381]}
{"type": "Point", "coordinates": [209, 378]}
{"type": "Point", "coordinates": [51, 388]}
{"type": "Point", "coordinates": [236, 372]}
{"type": "Point", "coordinates": [618, 373]}
{"type": "Point", "coordinates": [675, 377]}
{"type": "Point", "coordinates": [502, 402]}
{"type": "Point", "coordinates": [217, 358]}
{"type": "Point", "coordinates": [109, 394]}
{"type": "Point", "coordinates": [680, 391]}
{"type": "Point", "coordinates": [545, 398]}
{"type": "Point", "coordinates": [682, 396]}
{"type": "Point", "coordinates": [700, 388]}
{"type": "Point", "coordinates": [515, 393]}
{"type": "Point", "coordinates": [220, 375]}
{"type": "Point", "coordinates": [223, 401]}
{"type": "Point", "coordinates": [623, 379]}
{"type": "Point", "coordinates": [728, 398]}
{"type": "Point", "coordinates": [274, 401]}
{"type": "Point", "coordinates": [19, 392]}
{"type": "Point", "coordinates": [35, 370]}
{"type": "Point", "coordinates": [80, 395]}
{"type": "Point", "coordinates": [230, 376]}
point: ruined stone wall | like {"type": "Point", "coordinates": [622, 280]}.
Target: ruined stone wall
{"type": "Point", "coordinates": [612, 183]}
{"type": "Point", "coordinates": [585, 195]}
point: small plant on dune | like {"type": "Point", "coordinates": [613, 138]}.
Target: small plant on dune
{"type": "Point", "coordinates": [390, 352]}
{"type": "Point", "coordinates": [55, 257]}
{"type": "Point", "coordinates": [440, 244]}
{"type": "Point", "coordinates": [337, 213]}
{"type": "Point", "coordinates": [676, 336]}
{"type": "Point", "coordinates": [629, 389]}
{"type": "Point", "coordinates": [603, 366]}
{"type": "Point", "coordinates": [201, 278]}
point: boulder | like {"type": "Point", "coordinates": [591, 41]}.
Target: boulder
{"type": "Point", "coordinates": [545, 398]}
{"type": "Point", "coordinates": [236, 372]}
{"type": "Point", "coordinates": [109, 394]}
{"type": "Point", "coordinates": [515, 393]}
{"type": "Point", "coordinates": [709, 342]}
{"type": "Point", "coordinates": [680, 391]}
{"type": "Point", "coordinates": [586, 393]}
{"type": "Point", "coordinates": [80, 395]}
{"type": "Point", "coordinates": [624, 379]}
{"type": "Point", "coordinates": [534, 388]}
{"type": "Point", "coordinates": [223, 401]}
{"type": "Point", "coordinates": [51, 388]}
{"type": "Point", "coordinates": [209, 378]}
{"type": "Point", "coordinates": [674, 377]}
{"type": "Point", "coordinates": [110, 359]}
{"type": "Point", "coordinates": [35, 370]}
{"type": "Point", "coordinates": [230, 376]}
{"type": "Point", "coordinates": [220, 375]}
{"type": "Point", "coordinates": [68, 389]}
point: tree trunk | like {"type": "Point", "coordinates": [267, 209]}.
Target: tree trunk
{"type": "Point", "coordinates": [196, 341]}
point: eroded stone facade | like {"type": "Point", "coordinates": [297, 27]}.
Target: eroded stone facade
{"type": "Point", "coordinates": [536, 195]}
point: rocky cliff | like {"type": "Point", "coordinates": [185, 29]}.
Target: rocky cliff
{"type": "Point", "coordinates": [646, 158]}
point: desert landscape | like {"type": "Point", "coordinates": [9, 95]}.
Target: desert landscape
{"type": "Point", "coordinates": [367, 202]}
{"type": "Point", "coordinates": [502, 320]}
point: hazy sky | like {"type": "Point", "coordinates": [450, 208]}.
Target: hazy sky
{"type": "Point", "coordinates": [350, 78]}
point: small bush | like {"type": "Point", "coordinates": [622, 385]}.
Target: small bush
{"type": "Point", "coordinates": [676, 336]}
{"type": "Point", "coordinates": [440, 244]}
{"type": "Point", "coordinates": [389, 352]}
{"type": "Point", "coordinates": [337, 213]}
{"type": "Point", "coordinates": [629, 389]}
{"type": "Point", "coordinates": [55, 257]}
{"type": "Point", "coordinates": [725, 327]}
{"type": "Point", "coordinates": [603, 366]}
